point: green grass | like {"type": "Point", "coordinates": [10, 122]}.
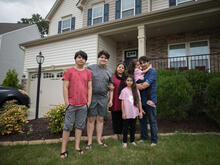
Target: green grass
{"type": "Point", "coordinates": [178, 149]}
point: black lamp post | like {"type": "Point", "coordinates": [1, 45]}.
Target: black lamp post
{"type": "Point", "coordinates": [40, 60]}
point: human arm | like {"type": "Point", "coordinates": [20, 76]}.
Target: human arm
{"type": "Point", "coordinates": [89, 93]}
{"type": "Point", "coordinates": [145, 71]}
{"type": "Point", "coordinates": [110, 96]}
{"type": "Point", "coordinates": [123, 109]}
{"type": "Point", "coordinates": [65, 92]}
{"type": "Point", "coordinates": [140, 109]}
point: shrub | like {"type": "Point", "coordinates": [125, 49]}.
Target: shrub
{"type": "Point", "coordinates": [199, 81]}
{"type": "Point", "coordinates": [163, 72]}
{"type": "Point", "coordinates": [13, 118]}
{"type": "Point", "coordinates": [213, 99]}
{"type": "Point", "coordinates": [11, 79]}
{"type": "Point", "coordinates": [174, 97]}
{"type": "Point", "coordinates": [56, 118]}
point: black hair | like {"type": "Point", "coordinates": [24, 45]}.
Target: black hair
{"type": "Point", "coordinates": [131, 66]}
{"type": "Point", "coordinates": [82, 54]}
{"type": "Point", "coordinates": [121, 63]}
{"type": "Point", "coordinates": [134, 90]}
{"type": "Point", "coordinates": [143, 59]}
{"type": "Point", "coordinates": [105, 53]}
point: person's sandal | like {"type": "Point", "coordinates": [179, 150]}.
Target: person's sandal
{"type": "Point", "coordinates": [64, 155]}
{"type": "Point", "coordinates": [103, 145]}
{"type": "Point", "coordinates": [80, 152]}
{"type": "Point", "coordinates": [89, 146]}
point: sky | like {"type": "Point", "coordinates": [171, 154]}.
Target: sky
{"type": "Point", "coordinates": [12, 11]}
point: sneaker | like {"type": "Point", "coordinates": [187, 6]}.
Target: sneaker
{"type": "Point", "coordinates": [133, 143]}
{"type": "Point", "coordinates": [140, 141]}
{"type": "Point", "coordinates": [124, 145]}
{"type": "Point", "coordinates": [153, 144]}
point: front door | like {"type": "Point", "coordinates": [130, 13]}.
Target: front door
{"type": "Point", "coordinates": [130, 55]}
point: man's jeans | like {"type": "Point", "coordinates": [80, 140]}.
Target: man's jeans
{"type": "Point", "coordinates": [150, 113]}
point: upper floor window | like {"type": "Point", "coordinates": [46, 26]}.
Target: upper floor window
{"type": "Point", "coordinates": [66, 24]}
{"type": "Point", "coordinates": [97, 14]}
{"type": "Point", "coordinates": [127, 8]}
{"type": "Point", "coordinates": [178, 2]}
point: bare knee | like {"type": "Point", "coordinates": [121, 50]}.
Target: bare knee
{"type": "Point", "coordinates": [100, 119]}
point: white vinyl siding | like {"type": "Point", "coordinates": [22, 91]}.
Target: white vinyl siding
{"type": "Point", "coordinates": [62, 52]}
{"type": "Point", "coordinates": [66, 8]}
{"type": "Point", "coordinates": [159, 4]}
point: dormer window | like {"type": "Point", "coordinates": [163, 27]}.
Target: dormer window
{"type": "Point", "coordinates": [127, 8]}
{"type": "Point", "coordinates": [66, 24]}
{"type": "Point", "coordinates": [97, 14]}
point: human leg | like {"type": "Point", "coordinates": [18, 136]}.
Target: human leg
{"type": "Point", "coordinates": [99, 128]}
{"type": "Point", "coordinates": [132, 129]}
{"type": "Point", "coordinates": [117, 123]}
{"type": "Point", "coordinates": [90, 128]}
{"type": "Point", "coordinates": [153, 123]}
{"type": "Point", "coordinates": [125, 130]}
{"type": "Point", "coordinates": [143, 126]}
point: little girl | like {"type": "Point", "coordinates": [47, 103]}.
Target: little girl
{"type": "Point", "coordinates": [135, 69]}
{"type": "Point", "coordinates": [131, 108]}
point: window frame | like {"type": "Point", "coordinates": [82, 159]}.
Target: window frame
{"type": "Point", "coordinates": [96, 6]}
{"type": "Point", "coordinates": [66, 28]}
{"type": "Point", "coordinates": [185, 1]}
{"type": "Point", "coordinates": [188, 53]}
{"type": "Point", "coordinates": [134, 7]}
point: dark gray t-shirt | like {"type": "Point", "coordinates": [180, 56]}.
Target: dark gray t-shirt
{"type": "Point", "coordinates": [101, 77]}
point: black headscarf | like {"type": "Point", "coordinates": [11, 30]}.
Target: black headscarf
{"type": "Point", "coordinates": [122, 82]}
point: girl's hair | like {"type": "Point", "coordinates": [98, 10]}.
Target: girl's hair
{"type": "Point", "coordinates": [131, 66]}
{"type": "Point", "coordinates": [134, 90]}
{"type": "Point", "coordinates": [121, 63]}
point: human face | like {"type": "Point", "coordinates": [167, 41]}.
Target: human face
{"type": "Point", "coordinates": [144, 65]}
{"type": "Point", "coordinates": [137, 65]}
{"type": "Point", "coordinates": [102, 60]}
{"type": "Point", "coordinates": [120, 69]}
{"type": "Point", "coordinates": [80, 61]}
{"type": "Point", "coordinates": [129, 82]}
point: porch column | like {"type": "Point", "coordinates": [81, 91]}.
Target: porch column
{"type": "Point", "coordinates": [141, 41]}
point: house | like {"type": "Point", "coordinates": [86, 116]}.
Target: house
{"type": "Point", "coordinates": [11, 56]}
{"type": "Point", "coordinates": [127, 29]}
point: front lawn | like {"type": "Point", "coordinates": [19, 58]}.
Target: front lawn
{"type": "Point", "coordinates": [177, 149]}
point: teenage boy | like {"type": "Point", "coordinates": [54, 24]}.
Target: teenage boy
{"type": "Point", "coordinates": [102, 81]}
{"type": "Point", "coordinates": [77, 93]}
{"type": "Point", "coordinates": [150, 79]}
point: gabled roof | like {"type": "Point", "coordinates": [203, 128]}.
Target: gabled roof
{"type": "Point", "coordinates": [8, 27]}
{"type": "Point", "coordinates": [57, 4]}
{"type": "Point", "coordinates": [52, 11]}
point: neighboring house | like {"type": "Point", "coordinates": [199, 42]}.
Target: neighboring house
{"type": "Point", "coordinates": [127, 29]}
{"type": "Point", "coordinates": [11, 56]}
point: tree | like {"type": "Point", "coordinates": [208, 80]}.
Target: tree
{"type": "Point", "coordinates": [11, 79]}
{"type": "Point", "coordinates": [39, 21]}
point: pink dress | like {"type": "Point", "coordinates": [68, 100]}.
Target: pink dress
{"type": "Point", "coordinates": [138, 75]}
{"type": "Point", "coordinates": [131, 111]}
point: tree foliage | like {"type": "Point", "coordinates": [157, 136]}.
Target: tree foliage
{"type": "Point", "coordinates": [11, 79]}
{"type": "Point", "coordinates": [39, 21]}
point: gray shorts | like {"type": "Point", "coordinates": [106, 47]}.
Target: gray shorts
{"type": "Point", "coordinates": [98, 106]}
{"type": "Point", "coordinates": [77, 115]}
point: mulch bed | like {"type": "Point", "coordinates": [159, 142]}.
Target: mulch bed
{"type": "Point", "coordinates": [40, 128]}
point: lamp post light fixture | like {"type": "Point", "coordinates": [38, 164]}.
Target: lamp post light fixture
{"type": "Point", "coordinates": [40, 60]}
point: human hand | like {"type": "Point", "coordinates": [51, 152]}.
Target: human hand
{"type": "Point", "coordinates": [123, 116]}
{"type": "Point", "coordinates": [110, 104]}
{"type": "Point", "coordinates": [139, 86]}
{"type": "Point", "coordinates": [141, 115]}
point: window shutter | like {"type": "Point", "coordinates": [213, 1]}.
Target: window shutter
{"type": "Point", "coordinates": [172, 3]}
{"type": "Point", "coordinates": [59, 26]}
{"type": "Point", "coordinates": [89, 21]}
{"type": "Point", "coordinates": [106, 12]}
{"type": "Point", "coordinates": [118, 9]}
{"type": "Point", "coordinates": [137, 6]}
{"type": "Point", "coordinates": [73, 23]}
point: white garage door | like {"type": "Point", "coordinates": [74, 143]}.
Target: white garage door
{"type": "Point", "coordinates": [51, 92]}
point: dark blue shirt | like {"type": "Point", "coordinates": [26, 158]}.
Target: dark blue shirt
{"type": "Point", "coordinates": [151, 78]}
